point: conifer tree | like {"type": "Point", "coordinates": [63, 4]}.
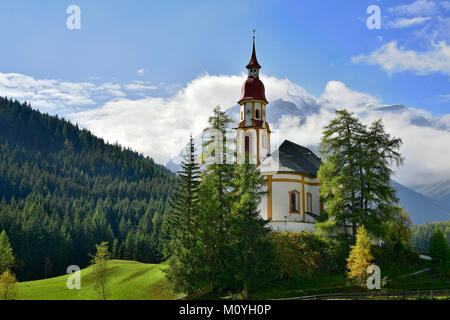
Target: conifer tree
{"type": "Point", "coordinates": [250, 245]}
{"type": "Point", "coordinates": [378, 199]}
{"type": "Point", "coordinates": [179, 222]}
{"type": "Point", "coordinates": [215, 207]}
{"type": "Point", "coordinates": [6, 253]}
{"type": "Point", "coordinates": [355, 176]}
{"type": "Point", "coordinates": [360, 258]}
{"type": "Point", "coordinates": [339, 175]}
{"type": "Point", "coordinates": [439, 248]}
{"type": "Point", "coordinates": [232, 239]}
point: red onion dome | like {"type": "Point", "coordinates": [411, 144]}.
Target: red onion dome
{"type": "Point", "coordinates": [253, 89]}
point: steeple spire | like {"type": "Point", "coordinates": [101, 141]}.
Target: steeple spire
{"type": "Point", "coordinates": [253, 64]}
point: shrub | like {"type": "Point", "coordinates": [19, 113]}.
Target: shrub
{"type": "Point", "coordinates": [298, 255]}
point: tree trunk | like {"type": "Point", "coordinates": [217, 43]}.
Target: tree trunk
{"type": "Point", "coordinates": [245, 292]}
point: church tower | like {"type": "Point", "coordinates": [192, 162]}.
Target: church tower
{"type": "Point", "coordinates": [253, 132]}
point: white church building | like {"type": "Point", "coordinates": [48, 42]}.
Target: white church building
{"type": "Point", "coordinates": [293, 201]}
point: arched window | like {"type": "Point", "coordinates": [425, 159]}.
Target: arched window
{"type": "Point", "coordinates": [309, 202]}
{"type": "Point", "coordinates": [294, 206]}
{"type": "Point", "coordinates": [257, 114]}
{"type": "Point", "coordinates": [247, 149]}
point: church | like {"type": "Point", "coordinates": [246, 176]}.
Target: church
{"type": "Point", "coordinates": [293, 200]}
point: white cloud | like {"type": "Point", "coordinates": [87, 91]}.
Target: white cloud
{"type": "Point", "coordinates": [159, 127]}
{"type": "Point", "coordinates": [55, 96]}
{"type": "Point", "coordinates": [394, 59]}
{"type": "Point", "coordinates": [141, 72]}
{"type": "Point", "coordinates": [420, 7]}
{"type": "Point", "coordinates": [405, 22]}
{"type": "Point", "coordinates": [338, 95]}
{"type": "Point", "coordinates": [139, 86]}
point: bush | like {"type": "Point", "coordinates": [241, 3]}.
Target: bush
{"type": "Point", "coordinates": [394, 255]}
{"type": "Point", "coordinates": [439, 251]}
{"type": "Point", "coordinates": [298, 255]}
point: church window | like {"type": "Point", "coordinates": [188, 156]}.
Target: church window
{"type": "Point", "coordinates": [257, 114]}
{"type": "Point", "coordinates": [294, 197]}
{"type": "Point", "coordinates": [309, 202]}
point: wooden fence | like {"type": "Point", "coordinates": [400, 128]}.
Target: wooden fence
{"type": "Point", "coordinates": [377, 295]}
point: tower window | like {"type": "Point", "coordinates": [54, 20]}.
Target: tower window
{"type": "Point", "coordinates": [257, 114]}
{"type": "Point", "coordinates": [247, 150]}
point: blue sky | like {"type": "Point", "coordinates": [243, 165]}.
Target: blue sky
{"type": "Point", "coordinates": [308, 42]}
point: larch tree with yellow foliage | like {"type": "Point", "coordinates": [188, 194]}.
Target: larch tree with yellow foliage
{"type": "Point", "coordinates": [8, 286]}
{"type": "Point", "coordinates": [360, 258]}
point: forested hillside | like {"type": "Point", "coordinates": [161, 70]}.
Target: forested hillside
{"type": "Point", "coordinates": [63, 190]}
{"type": "Point", "coordinates": [421, 234]}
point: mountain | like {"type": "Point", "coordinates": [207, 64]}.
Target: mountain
{"type": "Point", "coordinates": [63, 190]}
{"type": "Point", "coordinates": [438, 191]}
{"type": "Point", "coordinates": [421, 208]}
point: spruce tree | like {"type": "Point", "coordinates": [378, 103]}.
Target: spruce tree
{"type": "Point", "coordinates": [214, 221]}
{"type": "Point", "coordinates": [249, 232]}
{"type": "Point", "coordinates": [232, 239]}
{"type": "Point", "coordinates": [179, 223]}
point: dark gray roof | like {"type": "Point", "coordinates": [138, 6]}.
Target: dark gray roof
{"type": "Point", "coordinates": [291, 157]}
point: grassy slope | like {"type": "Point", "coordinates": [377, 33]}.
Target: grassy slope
{"type": "Point", "coordinates": [130, 280]}
{"type": "Point", "coordinates": [126, 280]}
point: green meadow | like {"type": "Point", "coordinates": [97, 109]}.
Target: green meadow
{"type": "Point", "coordinates": [126, 280]}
